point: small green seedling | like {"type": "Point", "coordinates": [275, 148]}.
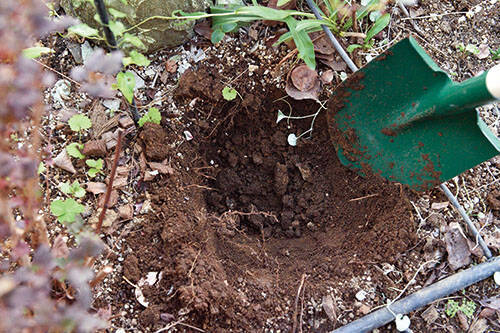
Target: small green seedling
{"type": "Point", "coordinates": [229, 93]}
{"type": "Point", "coordinates": [41, 168]}
{"type": "Point", "coordinates": [125, 82]}
{"type": "Point", "coordinates": [74, 150]}
{"type": "Point", "coordinates": [495, 54]}
{"type": "Point", "coordinates": [152, 116]}
{"type": "Point", "coordinates": [467, 308]}
{"type": "Point", "coordinates": [135, 58]}
{"type": "Point", "coordinates": [36, 52]}
{"type": "Point", "coordinates": [79, 122]}
{"type": "Point", "coordinates": [66, 210]}
{"type": "Point", "coordinates": [95, 167]}
{"type": "Point", "coordinates": [73, 189]}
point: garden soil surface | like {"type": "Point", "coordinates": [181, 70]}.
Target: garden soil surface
{"type": "Point", "coordinates": [245, 216]}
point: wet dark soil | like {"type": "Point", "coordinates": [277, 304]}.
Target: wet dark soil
{"type": "Point", "coordinates": [245, 215]}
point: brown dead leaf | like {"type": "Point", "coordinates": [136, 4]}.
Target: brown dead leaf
{"type": "Point", "coordinates": [484, 51]}
{"type": "Point", "coordinates": [150, 175]}
{"type": "Point", "coordinates": [126, 212]}
{"type": "Point", "coordinates": [162, 168]}
{"type": "Point", "coordinates": [111, 216]}
{"type": "Point", "coordinates": [459, 254]}
{"type": "Point", "coordinates": [125, 122]}
{"type": "Point", "coordinates": [111, 139]}
{"type": "Point", "coordinates": [303, 83]}
{"type": "Point", "coordinates": [493, 240]}
{"type": "Point", "coordinates": [491, 303]}
{"type": "Point", "coordinates": [97, 114]}
{"type": "Point", "coordinates": [338, 66]}
{"type": "Point", "coordinates": [94, 148]}
{"type": "Point", "coordinates": [430, 314]}
{"type": "Point", "coordinates": [63, 161]}
{"type": "Point", "coordinates": [327, 76]}
{"type": "Point", "coordinates": [329, 308]}
{"type": "Point", "coordinates": [60, 248]}
{"type": "Point", "coordinates": [479, 326]}
{"type": "Point", "coordinates": [203, 29]}
{"type": "Point", "coordinates": [171, 65]}
{"type": "Point", "coordinates": [96, 188]}
{"type": "Point", "coordinates": [113, 199]}
{"type": "Point", "coordinates": [323, 46]}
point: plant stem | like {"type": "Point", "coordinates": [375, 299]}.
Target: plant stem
{"type": "Point", "coordinates": [110, 183]}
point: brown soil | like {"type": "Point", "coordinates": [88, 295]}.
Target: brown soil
{"type": "Point", "coordinates": [245, 216]}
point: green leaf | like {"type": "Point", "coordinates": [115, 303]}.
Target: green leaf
{"type": "Point", "coordinates": [310, 24]}
{"type": "Point", "coordinates": [65, 187]}
{"type": "Point", "coordinates": [229, 93]}
{"type": "Point", "coordinates": [79, 122]}
{"type": "Point", "coordinates": [136, 58]}
{"type": "Point", "coordinates": [92, 172]}
{"type": "Point", "coordinates": [152, 116]}
{"type": "Point", "coordinates": [353, 47]}
{"type": "Point", "coordinates": [124, 2]}
{"type": "Point", "coordinates": [41, 168]}
{"type": "Point", "coordinates": [378, 26]}
{"type": "Point", "coordinates": [117, 28]}
{"type": "Point", "coordinates": [36, 52]}
{"type": "Point", "coordinates": [83, 30]}
{"type": "Point", "coordinates": [73, 150]}
{"type": "Point", "coordinates": [116, 13]}
{"type": "Point", "coordinates": [217, 36]}
{"type": "Point", "coordinates": [282, 3]}
{"type": "Point", "coordinates": [229, 27]}
{"type": "Point", "coordinates": [66, 210]}
{"type": "Point", "coordinates": [97, 164]}
{"type": "Point", "coordinates": [303, 42]}
{"type": "Point", "coordinates": [472, 49]}
{"type": "Point", "coordinates": [126, 83]}
{"type": "Point", "coordinates": [133, 40]}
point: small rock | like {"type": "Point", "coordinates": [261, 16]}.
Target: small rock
{"type": "Point", "coordinates": [95, 148]}
{"type": "Point", "coordinates": [311, 226]}
{"type": "Point", "coordinates": [361, 295]}
{"type": "Point", "coordinates": [63, 161]}
{"type": "Point", "coordinates": [139, 82]}
{"type": "Point", "coordinates": [112, 104]}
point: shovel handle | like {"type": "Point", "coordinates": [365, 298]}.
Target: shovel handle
{"type": "Point", "coordinates": [493, 81]}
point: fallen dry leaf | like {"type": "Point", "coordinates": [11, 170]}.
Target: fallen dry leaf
{"type": "Point", "coordinates": [459, 254]}
{"type": "Point", "coordinates": [126, 212]}
{"type": "Point", "coordinates": [303, 83]}
{"type": "Point", "coordinates": [327, 76]}
{"type": "Point", "coordinates": [323, 46]}
{"type": "Point", "coordinates": [491, 303]}
{"type": "Point", "coordinates": [329, 308]}
{"type": "Point", "coordinates": [63, 161]}
{"type": "Point", "coordinates": [111, 139]}
{"type": "Point", "coordinates": [113, 199]}
{"type": "Point", "coordinates": [110, 217]}
{"type": "Point", "coordinates": [125, 122]}
{"type": "Point", "coordinates": [479, 326]}
{"type": "Point", "coordinates": [59, 247]}
{"type": "Point", "coordinates": [171, 65]}
{"type": "Point", "coordinates": [96, 188]}
{"type": "Point", "coordinates": [203, 29]}
{"type": "Point", "coordinates": [94, 148]}
{"type": "Point", "coordinates": [162, 168]}
{"type": "Point", "coordinates": [430, 314]}
{"type": "Point", "coordinates": [484, 51]}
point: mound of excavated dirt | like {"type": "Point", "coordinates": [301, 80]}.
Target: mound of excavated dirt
{"type": "Point", "coordinates": [245, 215]}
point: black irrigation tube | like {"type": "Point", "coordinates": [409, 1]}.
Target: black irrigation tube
{"type": "Point", "coordinates": [439, 289]}
{"type": "Point", "coordinates": [423, 297]}
{"type": "Point", "coordinates": [111, 40]}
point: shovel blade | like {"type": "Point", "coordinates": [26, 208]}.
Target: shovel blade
{"type": "Point", "coordinates": [402, 117]}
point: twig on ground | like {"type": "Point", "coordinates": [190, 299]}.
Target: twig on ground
{"type": "Point", "coordinates": [294, 327]}
{"type": "Point", "coordinates": [365, 197]}
{"type": "Point", "coordinates": [110, 183]}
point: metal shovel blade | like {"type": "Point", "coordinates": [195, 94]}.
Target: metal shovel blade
{"type": "Point", "coordinates": [403, 118]}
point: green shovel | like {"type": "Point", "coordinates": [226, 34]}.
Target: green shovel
{"type": "Point", "coordinates": [403, 118]}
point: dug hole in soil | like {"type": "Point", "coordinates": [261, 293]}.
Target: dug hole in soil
{"type": "Point", "coordinates": [245, 215]}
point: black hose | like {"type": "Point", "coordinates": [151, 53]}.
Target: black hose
{"type": "Point", "coordinates": [103, 15]}
{"type": "Point", "coordinates": [423, 297]}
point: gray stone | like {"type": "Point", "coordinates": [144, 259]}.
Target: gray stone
{"type": "Point", "coordinates": [155, 33]}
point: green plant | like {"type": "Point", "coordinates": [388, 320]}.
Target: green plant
{"type": "Point", "coordinates": [136, 58]}
{"type": "Point", "coordinates": [74, 150]}
{"type": "Point", "coordinates": [125, 82]}
{"type": "Point", "coordinates": [469, 48]}
{"type": "Point", "coordinates": [229, 93]}
{"type": "Point", "coordinates": [95, 167]}
{"type": "Point", "coordinates": [66, 210]}
{"type": "Point", "coordinates": [467, 308]}
{"type": "Point", "coordinates": [152, 116]}
{"type": "Point", "coordinates": [73, 189]}
{"type": "Point", "coordinates": [495, 54]}
{"type": "Point", "coordinates": [79, 122]}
